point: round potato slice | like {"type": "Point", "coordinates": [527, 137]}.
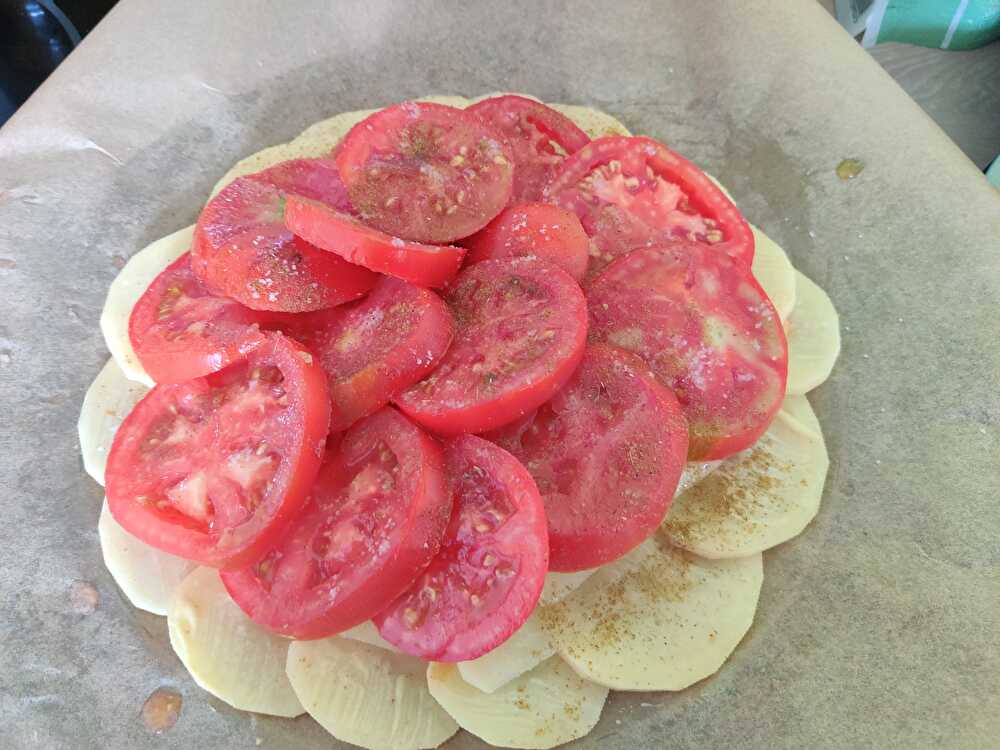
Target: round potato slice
{"type": "Point", "coordinates": [813, 331]}
{"type": "Point", "coordinates": [368, 633]}
{"type": "Point", "coordinates": [695, 472]}
{"type": "Point", "coordinates": [108, 401]}
{"type": "Point", "coordinates": [593, 122]}
{"type": "Point", "coordinates": [125, 291]}
{"type": "Point", "coordinates": [560, 585]}
{"type": "Point", "coordinates": [366, 695]}
{"type": "Point", "coordinates": [227, 654]}
{"type": "Point", "coordinates": [773, 271]}
{"type": "Point", "coordinates": [526, 649]}
{"type": "Point", "coordinates": [666, 620]}
{"type": "Point", "coordinates": [543, 708]}
{"type": "Point", "coordinates": [757, 499]}
{"type": "Point", "coordinates": [145, 575]}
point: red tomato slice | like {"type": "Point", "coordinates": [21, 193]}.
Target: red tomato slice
{"type": "Point", "coordinates": [375, 519]}
{"type": "Point", "coordinates": [242, 249]}
{"type": "Point", "coordinates": [486, 580]}
{"type": "Point", "coordinates": [426, 172]}
{"type": "Point", "coordinates": [521, 326]}
{"type": "Point", "coordinates": [632, 192]}
{"type": "Point", "coordinates": [374, 348]}
{"type": "Point", "coordinates": [709, 333]}
{"type": "Point", "coordinates": [607, 452]}
{"type": "Point", "coordinates": [539, 138]}
{"type": "Point", "coordinates": [340, 233]}
{"type": "Point", "coordinates": [215, 468]}
{"type": "Point", "coordinates": [180, 330]}
{"type": "Point", "coordinates": [535, 230]}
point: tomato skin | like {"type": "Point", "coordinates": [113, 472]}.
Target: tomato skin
{"type": "Point", "coordinates": [425, 172]}
{"type": "Point", "coordinates": [175, 466]}
{"type": "Point", "coordinates": [242, 250]}
{"type": "Point", "coordinates": [707, 331]}
{"type": "Point", "coordinates": [540, 230]}
{"type": "Point", "coordinates": [357, 545]}
{"type": "Point", "coordinates": [339, 233]}
{"type": "Point", "coordinates": [633, 191]}
{"type": "Point", "coordinates": [179, 330]}
{"type": "Point", "coordinates": [539, 138]}
{"type": "Point", "coordinates": [607, 452]}
{"type": "Point", "coordinates": [486, 579]}
{"type": "Point", "coordinates": [520, 333]}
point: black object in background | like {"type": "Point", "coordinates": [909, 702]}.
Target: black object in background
{"type": "Point", "coordinates": [35, 36]}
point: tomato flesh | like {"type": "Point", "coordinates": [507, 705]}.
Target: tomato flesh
{"type": "Point", "coordinates": [486, 580]}
{"type": "Point", "coordinates": [539, 138]}
{"type": "Point", "coordinates": [340, 233]}
{"type": "Point", "coordinates": [708, 332]}
{"type": "Point", "coordinates": [243, 250]}
{"type": "Point", "coordinates": [425, 172]}
{"type": "Point", "coordinates": [520, 332]}
{"type": "Point", "coordinates": [537, 230]}
{"type": "Point", "coordinates": [606, 452]}
{"type": "Point", "coordinates": [214, 469]}
{"type": "Point", "coordinates": [374, 348]}
{"type": "Point", "coordinates": [375, 519]}
{"type": "Point", "coordinates": [633, 192]}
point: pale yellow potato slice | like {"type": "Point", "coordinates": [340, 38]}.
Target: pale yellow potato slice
{"type": "Point", "coordinates": [591, 121]}
{"type": "Point", "coordinates": [106, 404]}
{"type": "Point", "coordinates": [527, 648]}
{"type": "Point", "coordinates": [660, 618]}
{"type": "Point", "coordinates": [542, 708]}
{"type": "Point", "coordinates": [145, 575]}
{"type": "Point", "coordinates": [234, 659]}
{"type": "Point", "coordinates": [773, 271]}
{"type": "Point", "coordinates": [694, 472]}
{"type": "Point", "coordinates": [720, 186]}
{"type": "Point", "coordinates": [757, 499]}
{"type": "Point", "coordinates": [560, 585]}
{"type": "Point", "coordinates": [366, 632]}
{"type": "Point", "coordinates": [126, 290]}
{"type": "Point", "coordinates": [366, 695]}
{"type": "Point", "coordinates": [813, 331]}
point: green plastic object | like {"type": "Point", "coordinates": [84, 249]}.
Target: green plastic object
{"type": "Point", "coordinates": [946, 24]}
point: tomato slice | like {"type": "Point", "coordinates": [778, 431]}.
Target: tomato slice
{"type": "Point", "coordinates": [486, 580]}
{"type": "Point", "coordinates": [521, 326]}
{"type": "Point", "coordinates": [607, 452]}
{"type": "Point", "coordinates": [426, 172]}
{"type": "Point", "coordinates": [340, 233]}
{"type": "Point", "coordinates": [375, 519]}
{"type": "Point", "coordinates": [374, 348]}
{"type": "Point", "coordinates": [537, 230]}
{"type": "Point", "coordinates": [180, 330]}
{"type": "Point", "coordinates": [539, 138]}
{"type": "Point", "coordinates": [242, 249]}
{"type": "Point", "coordinates": [214, 469]}
{"type": "Point", "coordinates": [709, 333]}
{"type": "Point", "coordinates": [632, 191]}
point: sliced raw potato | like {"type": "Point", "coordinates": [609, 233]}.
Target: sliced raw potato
{"type": "Point", "coordinates": [773, 271]}
{"type": "Point", "coordinates": [366, 632]}
{"type": "Point", "coordinates": [757, 499]}
{"type": "Point", "coordinates": [145, 575]}
{"type": "Point", "coordinates": [813, 331]}
{"type": "Point", "coordinates": [721, 187]}
{"type": "Point", "coordinates": [125, 291]}
{"type": "Point", "coordinates": [108, 401]}
{"type": "Point", "coordinates": [593, 122]}
{"type": "Point", "coordinates": [800, 408]}
{"type": "Point", "coordinates": [527, 648]}
{"type": "Point", "coordinates": [227, 654]}
{"type": "Point", "coordinates": [694, 472]}
{"type": "Point", "coordinates": [659, 618]}
{"type": "Point", "coordinates": [366, 695]}
{"type": "Point", "coordinates": [459, 102]}
{"type": "Point", "coordinates": [542, 708]}
{"type": "Point", "coordinates": [560, 585]}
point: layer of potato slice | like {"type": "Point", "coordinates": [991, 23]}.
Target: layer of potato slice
{"type": "Point", "coordinates": [813, 331]}
{"type": "Point", "coordinates": [560, 585]}
{"type": "Point", "coordinates": [366, 695]}
{"type": "Point", "coordinates": [107, 402]}
{"type": "Point", "coordinates": [366, 632]}
{"type": "Point", "coordinates": [125, 291]}
{"type": "Point", "coordinates": [145, 575]}
{"type": "Point", "coordinates": [542, 708]}
{"type": "Point", "coordinates": [757, 499]}
{"type": "Point", "coordinates": [591, 121]}
{"type": "Point", "coordinates": [660, 618]}
{"type": "Point", "coordinates": [774, 272]}
{"type": "Point", "coordinates": [227, 654]}
{"type": "Point", "coordinates": [527, 648]}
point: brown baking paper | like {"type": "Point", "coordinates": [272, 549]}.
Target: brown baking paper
{"type": "Point", "coordinates": [877, 628]}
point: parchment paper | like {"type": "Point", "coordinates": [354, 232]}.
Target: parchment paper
{"type": "Point", "coordinates": [878, 628]}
